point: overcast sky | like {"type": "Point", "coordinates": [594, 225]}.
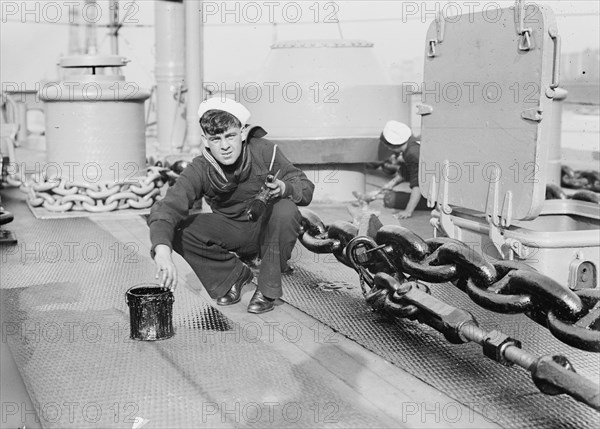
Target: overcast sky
{"type": "Point", "coordinates": [35, 34]}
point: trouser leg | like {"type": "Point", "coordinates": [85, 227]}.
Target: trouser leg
{"type": "Point", "coordinates": [279, 232]}
{"type": "Point", "coordinates": [207, 242]}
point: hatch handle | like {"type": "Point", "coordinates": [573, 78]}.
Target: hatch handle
{"type": "Point", "coordinates": [553, 32]}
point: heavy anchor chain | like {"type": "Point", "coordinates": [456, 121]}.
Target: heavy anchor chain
{"type": "Point", "coordinates": [60, 195]}
{"type": "Point", "coordinates": [585, 179]}
{"type": "Point", "coordinates": [390, 264]}
{"type": "Point", "coordinates": [554, 192]}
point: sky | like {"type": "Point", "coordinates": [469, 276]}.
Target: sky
{"type": "Point", "coordinates": [238, 35]}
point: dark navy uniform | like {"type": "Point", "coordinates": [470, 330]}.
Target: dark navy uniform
{"type": "Point", "coordinates": [411, 158]}
{"type": "Point", "coordinates": [211, 242]}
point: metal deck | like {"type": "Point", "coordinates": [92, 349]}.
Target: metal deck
{"type": "Point", "coordinates": [505, 395]}
{"type": "Point", "coordinates": [66, 322]}
{"type": "Point", "coordinates": [332, 364]}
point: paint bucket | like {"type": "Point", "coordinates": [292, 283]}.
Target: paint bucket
{"type": "Point", "coordinates": [150, 312]}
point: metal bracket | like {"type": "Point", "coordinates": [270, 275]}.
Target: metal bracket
{"type": "Point", "coordinates": [525, 39]}
{"type": "Point", "coordinates": [497, 237]}
{"type": "Point", "coordinates": [424, 109]}
{"type": "Point", "coordinates": [533, 114]}
{"type": "Point", "coordinates": [447, 225]}
{"type": "Point", "coordinates": [432, 194]}
{"type": "Point", "coordinates": [519, 249]}
{"type": "Point", "coordinates": [507, 209]}
{"type": "Point", "coordinates": [492, 204]}
{"type": "Point", "coordinates": [582, 274]}
{"type": "Point", "coordinates": [497, 219]}
{"type": "Point", "coordinates": [508, 247]}
{"type": "Point", "coordinates": [442, 197]}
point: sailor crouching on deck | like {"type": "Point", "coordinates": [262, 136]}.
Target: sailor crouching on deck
{"type": "Point", "coordinates": [230, 174]}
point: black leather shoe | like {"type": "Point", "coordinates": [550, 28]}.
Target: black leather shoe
{"type": "Point", "coordinates": [235, 293]}
{"type": "Point", "coordinates": [260, 303]}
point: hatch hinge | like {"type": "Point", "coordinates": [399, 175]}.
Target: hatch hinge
{"type": "Point", "coordinates": [439, 29]}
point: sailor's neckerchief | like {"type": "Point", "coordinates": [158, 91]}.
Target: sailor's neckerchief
{"type": "Point", "coordinates": [216, 175]}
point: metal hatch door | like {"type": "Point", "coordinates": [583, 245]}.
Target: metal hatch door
{"type": "Point", "coordinates": [488, 84]}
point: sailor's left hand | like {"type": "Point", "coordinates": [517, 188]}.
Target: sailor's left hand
{"type": "Point", "coordinates": [403, 214]}
{"type": "Point", "coordinates": [276, 188]}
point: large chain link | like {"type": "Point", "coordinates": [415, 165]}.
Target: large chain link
{"type": "Point", "coordinates": [60, 195]}
{"type": "Point", "coordinates": [389, 262]}
{"type": "Point", "coordinates": [555, 192]}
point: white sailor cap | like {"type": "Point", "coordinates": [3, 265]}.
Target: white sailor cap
{"type": "Point", "coordinates": [226, 104]}
{"type": "Point", "coordinates": [396, 133]}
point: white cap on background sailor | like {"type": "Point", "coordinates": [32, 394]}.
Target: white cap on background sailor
{"type": "Point", "coordinates": [395, 134]}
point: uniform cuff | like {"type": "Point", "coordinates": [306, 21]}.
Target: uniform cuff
{"type": "Point", "coordinates": [287, 191]}
{"type": "Point", "coordinates": [161, 232]}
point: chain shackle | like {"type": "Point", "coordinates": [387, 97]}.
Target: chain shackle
{"type": "Point", "coordinates": [414, 300]}
{"type": "Point", "coordinates": [388, 297]}
{"type": "Point", "coordinates": [367, 257]}
{"type": "Point", "coordinates": [555, 375]}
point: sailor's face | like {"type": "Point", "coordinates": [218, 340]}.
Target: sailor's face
{"type": "Point", "coordinates": [226, 147]}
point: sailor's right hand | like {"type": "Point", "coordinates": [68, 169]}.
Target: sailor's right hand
{"type": "Point", "coordinates": [165, 268]}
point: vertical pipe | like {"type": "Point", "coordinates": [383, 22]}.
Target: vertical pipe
{"type": "Point", "coordinates": [169, 72]}
{"type": "Point", "coordinates": [75, 21]}
{"type": "Point", "coordinates": [91, 45]}
{"type": "Point", "coordinates": [194, 51]}
{"type": "Point", "coordinates": [114, 27]}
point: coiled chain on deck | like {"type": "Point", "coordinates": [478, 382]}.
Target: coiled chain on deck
{"type": "Point", "coordinates": [502, 286]}
{"type": "Point", "coordinates": [60, 195]}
